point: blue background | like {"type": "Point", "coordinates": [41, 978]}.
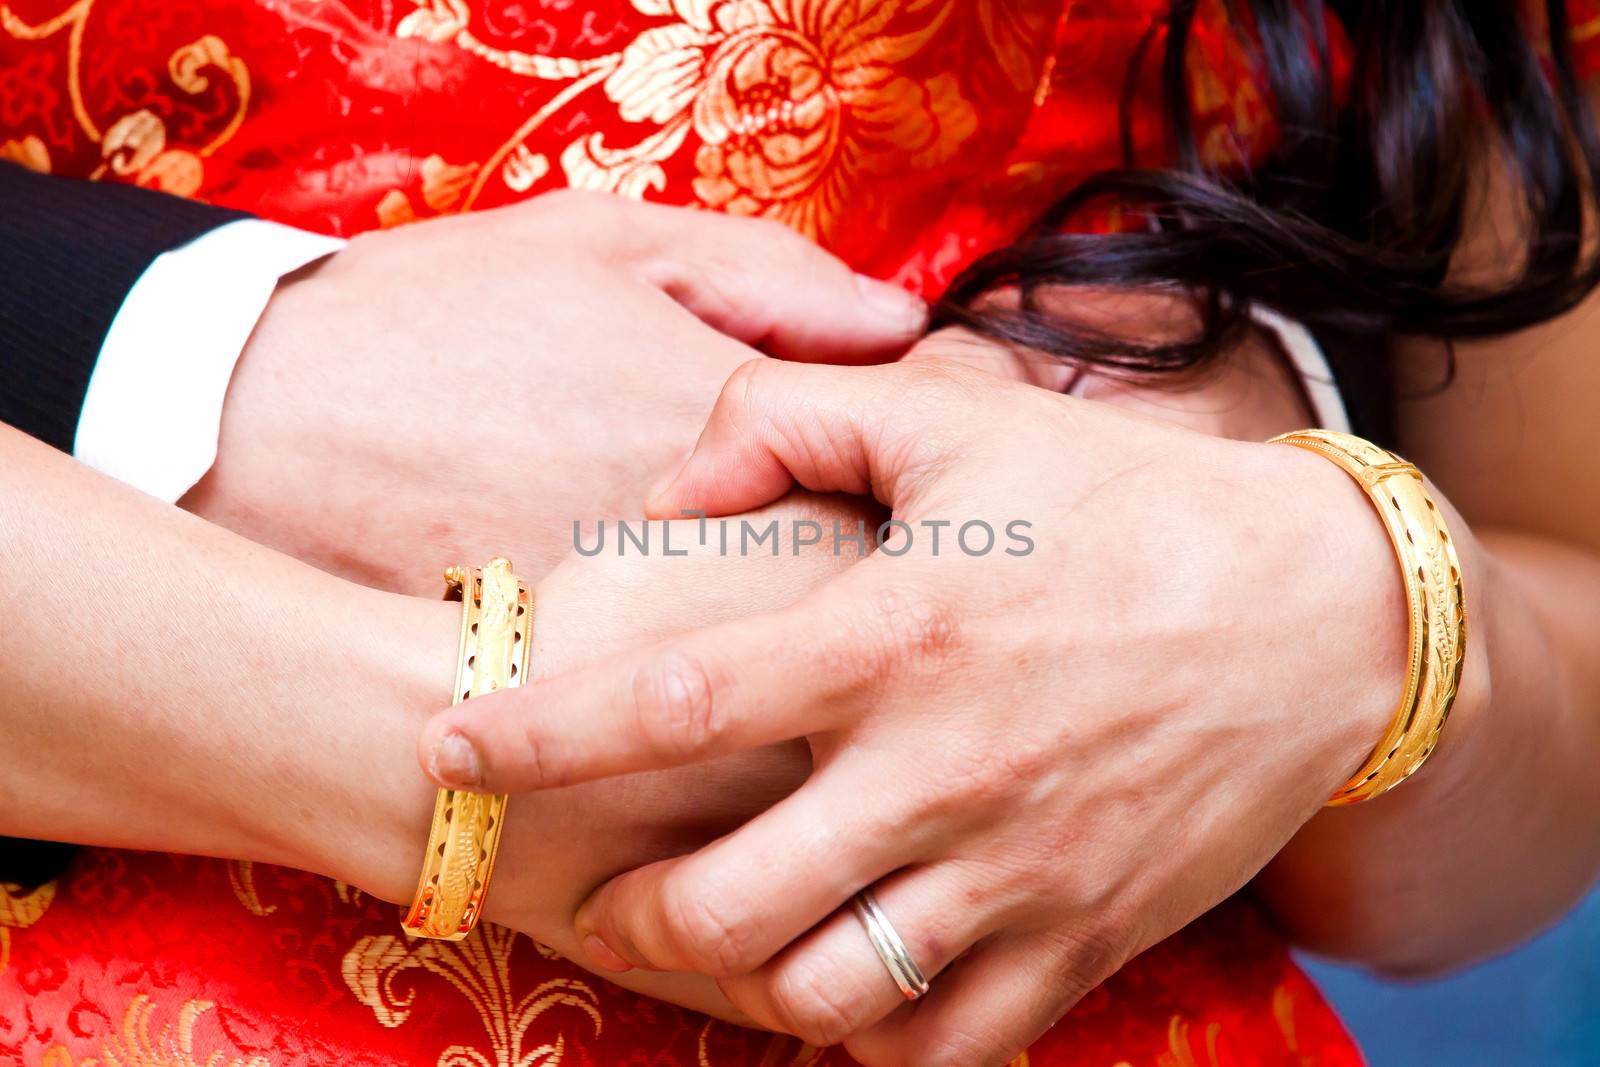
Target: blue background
{"type": "Point", "coordinates": [1536, 1007]}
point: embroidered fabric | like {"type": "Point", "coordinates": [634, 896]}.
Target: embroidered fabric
{"type": "Point", "coordinates": [909, 136]}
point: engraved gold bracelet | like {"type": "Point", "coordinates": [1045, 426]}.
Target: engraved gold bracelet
{"type": "Point", "coordinates": [1434, 597]}
{"type": "Point", "coordinates": [496, 617]}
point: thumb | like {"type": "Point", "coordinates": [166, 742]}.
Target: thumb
{"type": "Point", "coordinates": [855, 430]}
{"type": "Point", "coordinates": [763, 284]}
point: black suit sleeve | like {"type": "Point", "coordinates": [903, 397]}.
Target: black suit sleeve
{"type": "Point", "coordinates": [69, 252]}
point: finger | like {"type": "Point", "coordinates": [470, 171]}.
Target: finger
{"type": "Point", "coordinates": [990, 1006]}
{"type": "Point", "coordinates": [771, 288]}
{"type": "Point", "coordinates": [790, 673]}
{"type": "Point", "coordinates": [728, 908]}
{"type": "Point", "coordinates": [957, 345]}
{"type": "Point", "coordinates": [859, 430]}
{"type": "Point", "coordinates": [831, 984]}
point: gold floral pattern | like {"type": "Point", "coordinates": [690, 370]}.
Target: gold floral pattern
{"type": "Point", "coordinates": [793, 105]}
{"type": "Point", "coordinates": [147, 960]}
{"type": "Point", "coordinates": [19, 909]}
{"type": "Point", "coordinates": [27, 151]}
{"type": "Point", "coordinates": [908, 135]}
{"type": "Point", "coordinates": [1015, 33]}
{"type": "Point", "coordinates": [137, 1044]}
{"type": "Point", "coordinates": [794, 102]}
{"type": "Point", "coordinates": [1189, 1049]}
{"type": "Point", "coordinates": [378, 970]}
{"type": "Point", "coordinates": [242, 879]}
{"type": "Point", "coordinates": [1231, 112]}
{"type": "Point", "coordinates": [381, 970]}
{"type": "Point", "coordinates": [134, 145]}
{"type": "Point", "coordinates": [781, 1051]}
{"type": "Point", "coordinates": [444, 185]}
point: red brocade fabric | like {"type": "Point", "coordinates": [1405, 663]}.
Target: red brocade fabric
{"type": "Point", "coordinates": [909, 136]}
{"type": "Point", "coordinates": [147, 960]}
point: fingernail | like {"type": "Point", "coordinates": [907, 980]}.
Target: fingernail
{"type": "Point", "coordinates": [909, 313]}
{"type": "Point", "coordinates": [454, 762]}
{"type": "Point", "coordinates": [604, 954]}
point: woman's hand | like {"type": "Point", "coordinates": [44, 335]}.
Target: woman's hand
{"type": "Point", "coordinates": [1041, 763]}
{"type": "Point", "coordinates": [469, 386]}
{"type": "Point", "coordinates": [173, 687]}
{"type": "Point", "coordinates": [561, 845]}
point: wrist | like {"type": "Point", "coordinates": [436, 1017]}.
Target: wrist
{"type": "Point", "coordinates": [1355, 623]}
{"type": "Point", "coordinates": [392, 667]}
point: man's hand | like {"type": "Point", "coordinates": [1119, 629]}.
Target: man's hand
{"type": "Point", "coordinates": [980, 715]}
{"type": "Point", "coordinates": [471, 386]}
{"type": "Point", "coordinates": [561, 845]}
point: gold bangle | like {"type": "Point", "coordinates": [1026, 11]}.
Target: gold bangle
{"type": "Point", "coordinates": [496, 618]}
{"type": "Point", "coordinates": [1432, 576]}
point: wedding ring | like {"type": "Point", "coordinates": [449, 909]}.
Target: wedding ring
{"type": "Point", "coordinates": [891, 950]}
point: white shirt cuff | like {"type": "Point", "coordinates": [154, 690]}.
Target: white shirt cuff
{"type": "Point", "coordinates": [153, 410]}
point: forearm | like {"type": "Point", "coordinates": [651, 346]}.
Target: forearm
{"type": "Point", "coordinates": [1500, 832]}
{"type": "Point", "coordinates": [171, 686]}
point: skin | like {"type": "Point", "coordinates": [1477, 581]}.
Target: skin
{"type": "Point", "coordinates": [660, 303]}
{"type": "Point", "coordinates": [469, 386]}
{"type": "Point", "coordinates": [1029, 745]}
{"type": "Point", "coordinates": [1074, 757]}
{"type": "Point", "coordinates": [319, 675]}
{"type": "Point", "coordinates": [246, 780]}
{"type": "Point", "coordinates": [1513, 845]}
{"type": "Point", "coordinates": [1051, 934]}
{"type": "Point", "coordinates": [587, 600]}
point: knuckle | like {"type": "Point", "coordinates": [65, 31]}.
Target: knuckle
{"type": "Point", "coordinates": [697, 285]}
{"type": "Point", "coordinates": [955, 1048]}
{"type": "Point", "coordinates": [988, 773]}
{"type": "Point", "coordinates": [533, 757]}
{"type": "Point", "coordinates": [1033, 870]}
{"type": "Point", "coordinates": [780, 232]}
{"type": "Point", "coordinates": [716, 937]}
{"type": "Point", "coordinates": [964, 799]}
{"type": "Point", "coordinates": [944, 394]}
{"type": "Point", "coordinates": [568, 202]}
{"type": "Point", "coordinates": [675, 706]}
{"type": "Point", "coordinates": [814, 1006]}
{"type": "Point", "coordinates": [743, 404]}
{"type": "Point", "coordinates": [1092, 889]}
{"type": "Point", "coordinates": [742, 391]}
{"type": "Point", "coordinates": [940, 378]}
{"type": "Point", "coordinates": [583, 220]}
{"type": "Point", "coordinates": [766, 235]}
{"type": "Point", "coordinates": [941, 392]}
{"type": "Point", "coordinates": [1085, 958]}
{"type": "Point", "coordinates": [909, 629]}
{"type": "Point", "coordinates": [950, 345]}
{"type": "Point", "coordinates": [972, 776]}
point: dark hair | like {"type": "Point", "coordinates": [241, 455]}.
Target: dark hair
{"type": "Point", "coordinates": [1352, 224]}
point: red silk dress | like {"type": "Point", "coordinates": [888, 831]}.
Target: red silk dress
{"type": "Point", "coordinates": [909, 136]}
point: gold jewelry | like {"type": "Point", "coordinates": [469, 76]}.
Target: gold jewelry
{"type": "Point", "coordinates": [496, 621]}
{"type": "Point", "coordinates": [1434, 596]}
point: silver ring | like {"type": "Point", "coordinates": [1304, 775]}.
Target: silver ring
{"type": "Point", "coordinates": [891, 950]}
